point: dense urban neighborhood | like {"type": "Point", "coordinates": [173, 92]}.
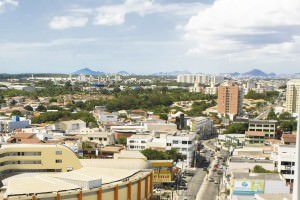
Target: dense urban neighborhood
{"type": "Point", "coordinates": [191, 136]}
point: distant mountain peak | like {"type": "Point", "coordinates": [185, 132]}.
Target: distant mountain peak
{"type": "Point", "coordinates": [88, 71]}
{"type": "Point", "coordinates": [255, 72]}
{"type": "Point", "coordinates": [124, 73]}
{"type": "Point", "coordinates": [172, 73]}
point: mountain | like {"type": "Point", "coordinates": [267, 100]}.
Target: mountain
{"type": "Point", "coordinates": [124, 73]}
{"type": "Point", "coordinates": [172, 73]}
{"type": "Point", "coordinates": [235, 74]}
{"type": "Point", "coordinates": [272, 74]}
{"type": "Point", "coordinates": [256, 72]}
{"type": "Point", "coordinates": [88, 71]}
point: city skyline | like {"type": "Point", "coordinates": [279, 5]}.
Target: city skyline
{"type": "Point", "coordinates": [145, 37]}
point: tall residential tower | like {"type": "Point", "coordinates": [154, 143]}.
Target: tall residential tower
{"type": "Point", "coordinates": [293, 96]}
{"type": "Point", "coordinates": [230, 99]}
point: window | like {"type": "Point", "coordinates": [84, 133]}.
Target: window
{"type": "Point", "coordinates": [58, 161]}
{"type": "Point", "coordinates": [143, 141]}
{"type": "Point", "coordinates": [175, 141]}
{"type": "Point", "coordinates": [184, 142]}
{"type": "Point", "coordinates": [58, 152]}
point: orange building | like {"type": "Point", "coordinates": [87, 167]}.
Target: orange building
{"type": "Point", "coordinates": [230, 99]}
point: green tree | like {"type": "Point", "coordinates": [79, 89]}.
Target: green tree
{"type": "Point", "coordinates": [122, 140]}
{"type": "Point", "coordinates": [41, 108]}
{"type": "Point", "coordinates": [52, 100]}
{"type": "Point", "coordinates": [163, 116]}
{"type": "Point", "coordinates": [239, 128]}
{"type": "Point", "coordinates": [28, 108]}
{"type": "Point", "coordinates": [285, 116]}
{"type": "Point", "coordinates": [272, 115]}
{"type": "Point", "coordinates": [288, 125]}
{"type": "Point", "coordinates": [260, 169]}
{"type": "Point", "coordinates": [16, 113]}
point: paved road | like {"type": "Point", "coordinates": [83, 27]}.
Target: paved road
{"type": "Point", "coordinates": [209, 190]}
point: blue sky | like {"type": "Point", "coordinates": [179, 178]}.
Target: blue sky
{"type": "Point", "coordinates": [147, 36]}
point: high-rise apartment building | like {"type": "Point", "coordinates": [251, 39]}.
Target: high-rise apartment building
{"type": "Point", "coordinates": [205, 79]}
{"type": "Point", "coordinates": [293, 96]}
{"type": "Point", "coordinates": [230, 99]}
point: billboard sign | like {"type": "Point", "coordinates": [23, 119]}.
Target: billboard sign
{"type": "Point", "coordinates": [248, 187]}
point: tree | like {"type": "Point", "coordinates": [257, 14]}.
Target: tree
{"type": "Point", "coordinates": [41, 108]}
{"type": "Point", "coordinates": [52, 100]}
{"type": "Point", "coordinates": [272, 115]}
{"type": "Point", "coordinates": [236, 128]}
{"type": "Point", "coordinates": [122, 140]}
{"type": "Point", "coordinates": [172, 154]}
{"type": "Point", "coordinates": [285, 116]}
{"type": "Point", "coordinates": [28, 108]}
{"type": "Point", "coordinates": [260, 169]}
{"type": "Point", "coordinates": [289, 125]}
{"type": "Point", "coordinates": [16, 113]}
{"type": "Point", "coordinates": [13, 102]}
{"type": "Point", "coordinates": [163, 116]}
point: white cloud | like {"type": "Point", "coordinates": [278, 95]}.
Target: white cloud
{"type": "Point", "coordinates": [7, 3]}
{"type": "Point", "coordinates": [64, 22]}
{"type": "Point", "coordinates": [115, 14]}
{"type": "Point", "coordinates": [244, 26]}
{"type": "Point", "coordinates": [9, 47]}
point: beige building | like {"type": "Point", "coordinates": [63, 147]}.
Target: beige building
{"type": "Point", "coordinates": [293, 96]}
{"type": "Point", "coordinates": [230, 99]}
{"type": "Point", "coordinates": [125, 177]}
{"type": "Point", "coordinates": [37, 158]}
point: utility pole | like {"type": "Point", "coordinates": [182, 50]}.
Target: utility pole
{"type": "Point", "coordinates": [296, 185]}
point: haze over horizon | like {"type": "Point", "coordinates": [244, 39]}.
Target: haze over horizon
{"type": "Point", "coordinates": [149, 36]}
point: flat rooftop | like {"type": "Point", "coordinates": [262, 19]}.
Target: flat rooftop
{"type": "Point", "coordinates": [85, 178]}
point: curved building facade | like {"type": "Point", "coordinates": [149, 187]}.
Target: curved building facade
{"type": "Point", "coordinates": [68, 177]}
{"type": "Point", "coordinates": [16, 158]}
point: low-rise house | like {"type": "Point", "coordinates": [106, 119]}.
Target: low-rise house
{"type": "Point", "coordinates": [105, 117]}
{"type": "Point", "coordinates": [24, 138]}
{"type": "Point", "coordinates": [70, 126]}
{"type": "Point", "coordinates": [100, 138]}
{"type": "Point", "coordinates": [138, 141]}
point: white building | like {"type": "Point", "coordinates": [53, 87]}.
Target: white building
{"type": "Point", "coordinates": [212, 90]}
{"type": "Point", "coordinates": [184, 143]}
{"type": "Point", "coordinates": [292, 96]}
{"type": "Point", "coordinates": [138, 141]}
{"type": "Point", "coordinates": [286, 158]}
{"type": "Point", "coordinates": [204, 79]}
{"type": "Point", "coordinates": [186, 78]}
{"type": "Point", "coordinates": [100, 138]}
{"type": "Point", "coordinates": [9, 125]}
{"type": "Point", "coordinates": [72, 126]}
{"type": "Point", "coordinates": [107, 117]}
{"type": "Point", "coordinates": [201, 125]}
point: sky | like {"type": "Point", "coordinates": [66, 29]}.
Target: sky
{"type": "Point", "coordinates": [148, 36]}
